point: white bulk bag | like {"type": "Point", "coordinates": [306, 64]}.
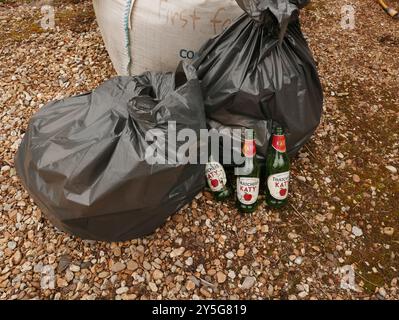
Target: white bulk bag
{"type": "Point", "coordinates": [154, 35]}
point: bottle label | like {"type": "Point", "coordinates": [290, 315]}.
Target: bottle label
{"type": "Point", "coordinates": [247, 190]}
{"type": "Point", "coordinates": [249, 149]}
{"type": "Point", "coordinates": [216, 176]}
{"type": "Point", "coordinates": [279, 143]}
{"type": "Point", "coordinates": [278, 185]}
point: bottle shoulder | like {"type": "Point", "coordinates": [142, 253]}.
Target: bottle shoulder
{"type": "Point", "coordinates": [277, 162]}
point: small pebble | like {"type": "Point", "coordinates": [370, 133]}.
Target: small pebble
{"type": "Point", "coordinates": [301, 178]}
{"type": "Point", "coordinates": [153, 287]}
{"type": "Point", "coordinates": [189, 261]}
{"type": "Point", "coordinates": [118, 267]}
{"type": "Point", "coordinates": [190, 285]}
{"type": "Point", "coordinates": [177, 252]}
{"type": "Point", "coordinates": [357, 231]}
{"type": "Point", "coordinates": [230, 255]}
{"type": "Point", "coordinates": [132, 265]}
{"type": "Point", "coordinates": [248, 283]}
{"type": "Point", "coordinates": [221, 277]}
{"type": "Point", "coordinates": [147, 265]}
{"type": "Point", "coordinates": [74, 268]}
{"type": "Point", "coordinates": [389, 231]}
{"type": "Point", "coordinates": [157, 275]}
{"type": "Point", "coordinates": [265, 228]}
{"type": "Point", "coordinates": [122, 290]}
{"type": "Point", "coordinates": [240, 253]}
{"type": "Point", "coordinates": [382, 292]}
{"type": "Point", "coordinates": [392, 169]}
{"type": "Point", "coordinates": [11, 245]}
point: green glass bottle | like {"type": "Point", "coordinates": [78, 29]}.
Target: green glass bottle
{"type": "Point", "coordinates": [248, 177]}
{"type": "Point", "coordinates": [277, 170]}
{"type": "Point", "coordinates": [217, 180]}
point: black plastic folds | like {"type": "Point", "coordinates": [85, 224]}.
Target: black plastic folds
{"type": "Point", "coordinates": [83, 159]}
{"type": "Point", "coordinates": [260, 72]}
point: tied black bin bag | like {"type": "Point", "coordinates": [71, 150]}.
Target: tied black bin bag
{"type": "Point", "coordinates": [82, 159]}
{"type": "Point", "coordinates": [260, 72]}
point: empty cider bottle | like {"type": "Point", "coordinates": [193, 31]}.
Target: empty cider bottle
{"type": "Point", "coordinates": [277, 170]}
{"type": "Point", "coordinates": [217, 180]}
{"type": "Point", "coordinates": [248, 176]}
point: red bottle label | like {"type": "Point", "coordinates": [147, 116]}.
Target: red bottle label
{"type": "Point", "coordinates": [279, 143]}
{"type": "Point", "coordinates": [249, 149]}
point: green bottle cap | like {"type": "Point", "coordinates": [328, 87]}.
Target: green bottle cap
{"type": "Point", "coordinates": [249, 134]}
{"type": "Point", "coordinates": [279, 131]}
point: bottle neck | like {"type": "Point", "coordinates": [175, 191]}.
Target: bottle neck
{"type": "Point", "coordinates": [249, 148]}
{"type": "Point", "coordinates": [278, 131]}
{"type": "Point", "coordinates": [249, 153]}
{"type": "Point", "coordinates": [247, 169]}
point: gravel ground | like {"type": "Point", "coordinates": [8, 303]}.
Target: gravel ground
{"type": "Point", "coordinates": [343, 216]}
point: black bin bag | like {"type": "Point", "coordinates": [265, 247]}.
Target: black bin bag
{"type": "Point", "coordinates": [260, 72]}
{"type": "Point", "coordinates": [83, 159]}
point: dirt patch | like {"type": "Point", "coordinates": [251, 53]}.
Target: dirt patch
{"type": "Point", "coordinates": [77, 18]}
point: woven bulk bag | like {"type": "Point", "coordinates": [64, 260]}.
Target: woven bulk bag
{"type": "Point", "coordinates": [143, 35]}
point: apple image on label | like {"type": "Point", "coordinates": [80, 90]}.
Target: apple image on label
{"type": "Point", "coordinates": [283, 192]}
{"type": "Point", "coordinates": [247, 197]}
{"type": "Point", "coordinates": [215, 183]}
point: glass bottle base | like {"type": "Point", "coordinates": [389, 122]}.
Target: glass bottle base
{"type": "Point", "coordinates": [273, 203]}
{"type": "Point", "coordinates": [222, 195]}
{"type": "Point", "coordinates": [246, 209]}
